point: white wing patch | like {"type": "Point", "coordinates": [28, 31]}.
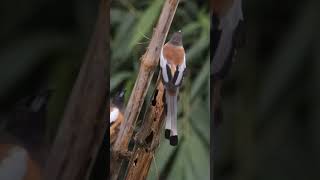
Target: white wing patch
{"type": "Point", "coordinates": [163, 63]}
{"type": "Point", "coordinates": [14, 166]}
{"type": "Point", "coordinates": [114, 114]}
{"type": "Point", "coordinates": [181, 70]}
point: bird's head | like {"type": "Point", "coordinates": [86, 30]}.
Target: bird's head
{"type": "Point", "coordinates": [176, 38]}
{"type": "Point", "coordinates": [118, 99]}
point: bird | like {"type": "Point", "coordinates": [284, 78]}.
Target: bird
{"type": "Point", "coordinates": [116, 114]}
{"type": "Point", "coordinates": [16, 163]}
{"type": "Point", "coordinates": [28, 117]}
{"type": "Point", "coordinates": [173, 67]}
{"type": "Point", "coordinates": [22, 147]}
{"type": "Point", "coordinates": [227, 36]}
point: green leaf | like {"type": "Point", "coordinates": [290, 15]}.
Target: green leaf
{"type": "Point", "coordinates": [201, 79]}
{"type": "Point", "coordinates": [116, 79]}
{"type": "Point", "coordinates": [145, 23]}
{"type": "Point", "coordinates": [192, 160]}
{"type": "Point", "coordinates": [200, 119]}
{"type": "Point", "coordinates": [120, 42]}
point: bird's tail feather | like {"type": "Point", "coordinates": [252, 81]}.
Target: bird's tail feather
{"type": "Point", "coordinates": [174, 130]}
{"type": "Point", "coordinates": [171, 119]}
{"type": "Point", "coordinates": [168, 116]}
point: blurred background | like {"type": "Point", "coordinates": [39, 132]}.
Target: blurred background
{"type": "Point", "coordinates": [271, 98]}
{"type": "Point", "coordinates": [132, 24]}
{"type": "Point", "coordinates": [42, 45]}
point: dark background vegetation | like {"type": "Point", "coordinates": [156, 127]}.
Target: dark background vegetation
{"type": "Point", "coordinates": [132, 24]}
{"type": "Point", "coordinates": [271, 99]}
{"type": "Point", "coordinates": [42, 45]}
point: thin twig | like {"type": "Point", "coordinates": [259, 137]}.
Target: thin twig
{"type": "Point", "coordinates": [148, 65]}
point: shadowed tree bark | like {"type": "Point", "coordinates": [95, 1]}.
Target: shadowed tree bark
{"type": "Point", "coordinates": [83, 125]}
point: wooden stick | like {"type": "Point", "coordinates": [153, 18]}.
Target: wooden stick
{"type": "Point", "coordinates": [148, 137]}
{"type": "Point", "coordinates": [83, 125]}
{"type": "Point", "coordinates": [148, 65]}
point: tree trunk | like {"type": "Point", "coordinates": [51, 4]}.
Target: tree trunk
{"type": "Point", "coordinates": [83, 125]}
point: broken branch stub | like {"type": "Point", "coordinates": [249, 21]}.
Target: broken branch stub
{"type": "Point", "coordinates": [148, 137]}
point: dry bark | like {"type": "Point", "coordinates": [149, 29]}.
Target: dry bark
{"type": "Point", "coordinates": [148, 137]}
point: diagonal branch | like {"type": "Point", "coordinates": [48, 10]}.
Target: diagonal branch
{"type": "Point", "coordinates": [148, 65]}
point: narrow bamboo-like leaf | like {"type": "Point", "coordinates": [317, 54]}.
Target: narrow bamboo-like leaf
{"type": "Point", "coordinates": [116, 79]}
{"type": "Point", "coordinates": [201, 79]}
{"type": "Point", "coordinates": [200, 120]}
{"type": "Point", "coordinates": [145, 23]}
{"type": "Point", "coordinates": [120, 41]}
